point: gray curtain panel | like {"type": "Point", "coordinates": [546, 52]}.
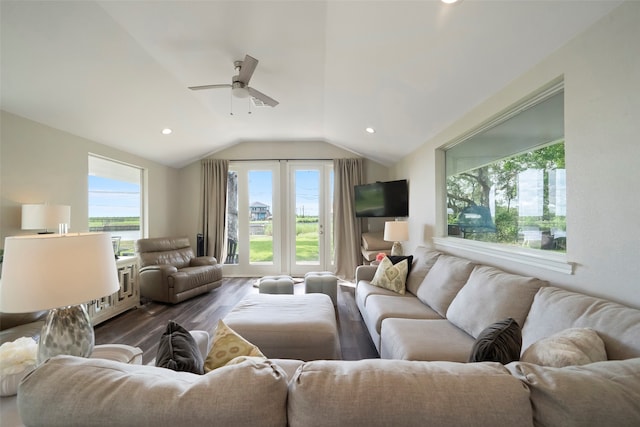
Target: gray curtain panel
{"type": "Point", "coordinates": [347, 229]}
{"type": "Point", "coordinates": [214, 207]}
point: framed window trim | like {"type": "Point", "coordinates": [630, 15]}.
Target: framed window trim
{"type": "Point", "coordinates": [547, 260]}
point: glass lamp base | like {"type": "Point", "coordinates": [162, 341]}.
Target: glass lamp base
{"type": "Point", "coordinates": [396, 249]}
{"type": "Point", "coordinates": [68, 331]}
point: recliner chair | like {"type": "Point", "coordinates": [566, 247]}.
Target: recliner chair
{"type": "Point", "coordinates": [170, 271]}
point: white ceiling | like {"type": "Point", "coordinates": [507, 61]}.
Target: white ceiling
{"type": "Point", "coordinates": [117, 72]}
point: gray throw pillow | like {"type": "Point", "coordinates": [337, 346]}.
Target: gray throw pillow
{"type": "Point", "coordinates": [499, 342]}
{"type": "Point", "coordinates": [179, 351]}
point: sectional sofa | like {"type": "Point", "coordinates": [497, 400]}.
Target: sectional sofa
{"type": "Point", "coordinates": [449, 300]}
{"type": "Point", "coordinates": [447, 304]}
{"type": "Point", "coordinates": [71, 391]}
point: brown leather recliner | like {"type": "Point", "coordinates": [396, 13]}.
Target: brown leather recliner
{"type": "Point", "coordinates": [170, 272]}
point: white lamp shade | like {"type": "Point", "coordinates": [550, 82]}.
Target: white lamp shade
{"type": "Point", "coordinates": [396, 231]}
{"type": "Point", "coordinates": [47, 271]}
{"type": "Point", "coordinates": [42, 217]}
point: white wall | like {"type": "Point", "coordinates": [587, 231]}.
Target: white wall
{"type": "Point", "coordinates": [601, 69]}
{"type": "Point", "coordinates": [190, 178]}
{"type": "Point", "coordinates": [40, 164]}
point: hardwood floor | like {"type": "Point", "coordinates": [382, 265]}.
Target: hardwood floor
{"type": "Point", "coordinates": [143, 326]}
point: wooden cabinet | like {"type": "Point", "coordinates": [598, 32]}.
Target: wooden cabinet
{"type": "Point", "coordinates": [126, 298]}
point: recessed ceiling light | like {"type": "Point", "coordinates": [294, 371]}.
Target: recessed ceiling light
{"type": "Point", "coordinates": [166, 131]}
{"type": "Point", "coordinates": [449, 1]}
{"type": "Point", "coordinates": [370, 130]}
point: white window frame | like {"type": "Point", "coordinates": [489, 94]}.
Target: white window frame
{"type": "Point", "coordinates": [105, 172]}
{"type": "Point", "coordinates": [552, 261]}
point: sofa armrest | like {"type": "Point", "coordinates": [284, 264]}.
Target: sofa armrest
{"type": "Point", "coordinates": [165, 269]}
{"type": "Point", "coordinates": [203, 260]}
{"type": "Point", "coordinates": [365, 272]}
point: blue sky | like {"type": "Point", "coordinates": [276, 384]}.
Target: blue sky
{"type": "Point", "coordinates": [260, 190]}
{"type": "Point", "coordinates": [108, 197]}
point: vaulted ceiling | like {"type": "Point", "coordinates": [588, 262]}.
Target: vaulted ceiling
{"type": "Point", "coordinates": [117, 72]}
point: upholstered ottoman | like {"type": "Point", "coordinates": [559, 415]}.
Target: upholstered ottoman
{"type": "Point", "coordinates": [323, 282]}
{"type": "Point", "coordinates": [288, 326]}
{"type": "Point", "coordinates": [276, 285]}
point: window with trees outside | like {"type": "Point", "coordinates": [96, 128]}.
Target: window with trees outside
{"type": "Point", "coordinates": [506, 182]}
{"type": "Point", "coordinates": [115, 202]}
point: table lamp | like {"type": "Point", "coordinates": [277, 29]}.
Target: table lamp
{"type": "Point", "coordinates": [59, 273]}
{"type": "Point", "coordinates": [396, 231]}
{"type": "Point", "coordinates": [46, 217]}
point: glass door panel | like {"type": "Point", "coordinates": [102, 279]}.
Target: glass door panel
{"type": "Point", "coordinates": [260, 217]}
{"type": "Point", "coordinates": [309, 216]}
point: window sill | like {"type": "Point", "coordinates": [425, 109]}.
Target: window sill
{"type": "Point", "coordinates": [551, 261]}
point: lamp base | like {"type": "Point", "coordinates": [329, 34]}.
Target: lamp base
{"type": "Point", "coordinates": [68, 331]}
{"type": "Point", "coordinates": [396, 249]}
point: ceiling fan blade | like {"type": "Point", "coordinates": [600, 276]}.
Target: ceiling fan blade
{"type": "Point", "coordinates": [208, 87]}
{"type": "Point", "coordinates": [246, 70]}
{"type": "Point", "coordinates": [262, 97]}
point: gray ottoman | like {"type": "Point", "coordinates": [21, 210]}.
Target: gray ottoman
{"type": "Point", "coordinates": [323, 282]}
{"type": "Point", "coordinates": [288, 326]}
{"type": "Point", "coordinates": [276, 285]}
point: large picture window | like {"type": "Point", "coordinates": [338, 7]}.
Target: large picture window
{"type": "Point", "coordinates": [115, 202]}
{"type": "Point", "coordinates": [506, 183]}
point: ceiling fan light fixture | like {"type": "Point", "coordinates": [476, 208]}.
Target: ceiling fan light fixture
{"type": "Point", "coordinates": [239, 90]}
{"type": "Point", "coordinates": [370, 130]}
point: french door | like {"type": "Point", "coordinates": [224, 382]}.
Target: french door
{"type": "Point", "coordinates": [310, 216]}
{"type": "Point", "coordinates": [279, 218]}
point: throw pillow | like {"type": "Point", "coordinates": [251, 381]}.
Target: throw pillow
{"type": "Point", "coordinates": [17, 359]}
{"type": "Point", "coordinates": [178, 350]}
{"type": "Point", "coordinates": [397, 258]}
{"type": "Point", "coordinates": [390, 276]}
{"type": "Point", "coordinates": [227, 345]}
{"type": "Point", "coordinates": [573, 346]}
{"type": "Point", "coordinates": [499, 342]}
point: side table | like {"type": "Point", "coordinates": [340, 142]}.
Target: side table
{"type": "Point", "coordinates": [127, 297]}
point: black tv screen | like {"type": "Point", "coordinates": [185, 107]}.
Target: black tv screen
{"type": "Point", "coordinates": [382, 199]}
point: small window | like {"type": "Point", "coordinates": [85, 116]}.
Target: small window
{"type": "Point", "coordinates": [506, 183]}
{"type": "Point", "coordinates": [115, 202]}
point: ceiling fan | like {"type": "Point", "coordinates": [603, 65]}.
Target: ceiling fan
{"type": "Point", "coordinates": [240, 82]}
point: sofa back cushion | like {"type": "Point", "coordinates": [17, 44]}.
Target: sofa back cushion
{"type": "Point", "coordinates": [491, 295]}
{"type": "Point", "coordinates": [443, 282]}
{"type": "Point", "coordinates": [175, 251]}
{"type": "Point", "coordinates": [423, 261]}
{"type": "Point", "coordinates": [71, 391]}
{"type": "Point", "coordinates": [554, 310]}
{"type": "Point", "coordinates": [597, 394]}
{"type": "Point", "coordinates": [379, 392]}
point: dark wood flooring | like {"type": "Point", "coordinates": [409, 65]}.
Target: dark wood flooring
{"type": "Point", "coordinates": [143, 326]}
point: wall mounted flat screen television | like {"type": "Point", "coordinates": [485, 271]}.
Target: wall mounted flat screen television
{"type": "Point", "coordinates": [382, 199]}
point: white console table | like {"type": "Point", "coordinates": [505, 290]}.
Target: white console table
{"type": "Point", "coordinates": [126, 298]}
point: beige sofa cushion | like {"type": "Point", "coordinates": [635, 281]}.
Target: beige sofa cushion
{"type": "Point", "coordinates": [423, 261]}
{"type": "Point", "coordinates": [424, 339]}
{"type": "Point", "coordinates": [443, 282]}
{"type": "Point", "coordinates": [555, 309]}
{"type": "Point", "coordinates": [71, 391]}
{"type": "Point", "coordinates": [491, 295]}
{"type": "Point", "coordinates": [594, 395]}
{"type": "Point", "coordinates": [381, 307]}
{"type": "Point", "coordinates": [386, 393]}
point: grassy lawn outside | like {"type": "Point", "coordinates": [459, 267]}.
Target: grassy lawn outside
{"type": "Point", "coordinates": [307, 245]}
